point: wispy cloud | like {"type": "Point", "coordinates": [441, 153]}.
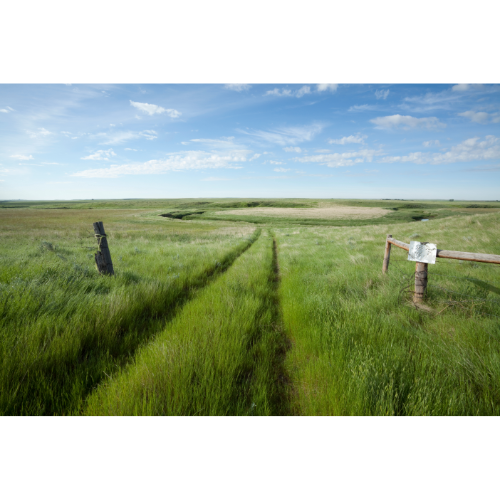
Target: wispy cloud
{"type": "Point", "coordinates": [279, 93]}
{"type": "Point", "coordinates": [330, 87]}
{"type": "Point", "coordinates": [362, 107]}
{"type": "Point", "coordinates": [276, 162]}
{"type": "Point", "coordinates": [7, 109]}
{"type": "Point", "coordinates": [100, 155]}
{"type": "Point", "coordinates": [469, 150]}
{"type": "Point", "coordinates": [222, 143]}
{"type": "Point", "coordinates": [41, 132]}
{"type": "Point", "coordinates": [285, 136]}
{"type": "Point", "coordinates": [406, 122]}
{"type": "Point", "coordinates": [153, 109]}
{"type": "Point", "coordinates": [464, 87]}
{"type": "Point", "coordinates": [120, 137]}
{"type": "Point", "coordinates": [429, 144]}
{"type": "Point", "coordinates": [481, 116]}
{"type": "Point", "coordinates": [175, 162]}
{"type": "Point", "coordinates": [292, 149]}
{"type": "Point", "coordinates": [382, 94]}
{"type": "Point", "coordinates": [281, 169]}
{"type": "Point", "coordinates": [335, 160]}
{"type": "Point", "coordinates": [215, 179]}
{"type": "Point", "coordinates": [22, 157]}
{"type": "Point", "coordinates": [432, 101]}
{"type": "Point", "coordinates": [351, 139]}
{"type": "Point", "coordinates": [237, 87]}
{"type": "Point", "coordinates": [305, 89]}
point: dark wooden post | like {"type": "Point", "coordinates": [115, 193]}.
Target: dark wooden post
{"type": "Point", "coordinates": [420, 281]}
{"type": "Point", "coordinates": [103, 256]}
{"type": "Point", "coordinates": [387, 255]}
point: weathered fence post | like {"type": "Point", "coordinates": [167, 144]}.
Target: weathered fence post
{"type": "Point", "coordinates": [420, 281]}
{"type": "Point", "coordinates": [387, 255]}
{"type": "Point", "coordinates": [103, 256]}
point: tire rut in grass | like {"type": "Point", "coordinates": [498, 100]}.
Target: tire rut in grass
{"type": "Point", "coordinates": [267, 349]}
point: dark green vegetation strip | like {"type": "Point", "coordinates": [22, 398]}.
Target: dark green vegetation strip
{"type": "Point", "coordinates": [67, 329]}
{"type": "Point", "coordinates": [360, 347]}
{"type": "Point", "coordinates": [222, 355]}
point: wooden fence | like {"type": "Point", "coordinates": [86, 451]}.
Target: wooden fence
{"type": "Point", "coordinates": [421, 270]}
{"type": "Point", "coordinates": [103, 256]}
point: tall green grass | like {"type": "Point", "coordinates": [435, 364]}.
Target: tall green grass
{"type": "Point", "coordinates": [222, 355]}
{"type": "Point", "coordinates": [359, 345]}
{"type": "Point", "coordinates": [209, 318]}
{"type": "Point", "coordinates": [63, 327]}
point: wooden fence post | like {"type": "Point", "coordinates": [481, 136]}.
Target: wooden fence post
{"type": "Point", "coordinates": [103, 256]}
{"type": "Point", "coordinates": [387, 255]}
{"type": "Point", "coordinates": [420, 281]}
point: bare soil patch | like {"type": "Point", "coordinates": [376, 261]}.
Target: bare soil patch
{"type": "Point", "coordinates": [338, 212]}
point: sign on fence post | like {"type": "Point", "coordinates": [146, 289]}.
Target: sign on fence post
{"type": "Point", "coordinates": [423, 254]}
{"type": "Point", "coordinates": [103, 256]}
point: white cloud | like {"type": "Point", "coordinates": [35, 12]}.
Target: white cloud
{"type": "Point", "coordinates": [362, 107]}
{"type": "Point", "coordinates": [464, 87]}
{"type": "Point", "coordinates": [224, 142]}
{"type": "Point", "coordinates": [130, 149]}
{"type": "Point", "coordinates": [174, 162]}
{"type": "Point", "coordinates": [293, 149]}
{"type": "Point", "coordinates": [237, 87]}
{"type": "Point", "coordinates": [124, 136]}
{"type": "Point", "coordinates": [149, 134]}
{"type": "Point", "coordinates": [332, 87]}
{"type": "Point", "coordinates": [281, 169]}
{"type": "Point", "coordinates": [469, 150]}
{"type": "Point", "coordinates": [67, 134]}
{"type": "Point", "coordinates": [371, 171]}
{"type": "Point", "coordinates": [22, 157]}
{"type": "Point", "coordinates": [153, 109]}
{"type": "Point", "coordinates": [335, 160]}
{"type": "Point", "coordinates": [255, 156]}
{"type": "Point", "coordinates": [429, 144]}
{"type": "Point", "coordinates": [49, 163]}
{"type": "Point", "coordinates": [406, 122]}
{"type": "Point", "coordinates": [279, 93]}
{"type": "Point", "coordinates": [285, 136]}
{"type": "Point", "coordinates": [303, 91]}
{"type": "Point", "coordinates": [481, 116]}
{"type": "Point", "coordinates": [352, 139]}
{"type": "Point", "coordinates": [100, 155]}
{"type": "Point", "coordinates": [214, 179]}
{"type": "Point", "coordinates": [382, 94]}
{"type": "Point", "coordinates": [432, 101]}
{"type": "Point", "coordinates": [276, 162]}
{"type": "Point", "coordinates": [7, 109]}
{"type": "Point", "coordinates": [41, 132]}
{"type": "Point", "coordinates": [323, 151]}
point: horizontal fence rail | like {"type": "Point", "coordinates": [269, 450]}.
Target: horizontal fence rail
{"type": "Point", "coordinates": [421, 268]}
{"type": "Point", "coordinates": [451, 254]}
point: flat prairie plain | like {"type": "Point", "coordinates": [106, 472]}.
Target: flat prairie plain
{"type": "Point", "coordinates": [277, 314]}
{"type": "Point", "coordinates": [335, 212]}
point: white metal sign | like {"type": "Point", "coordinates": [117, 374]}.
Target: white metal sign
{"type": "Point", "coordinates": [422, 252]}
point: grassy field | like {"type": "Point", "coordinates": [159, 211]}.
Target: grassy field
{"type": "Point", "coordinates": [212, 313]}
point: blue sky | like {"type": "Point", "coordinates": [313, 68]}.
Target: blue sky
{"type": "Point", "coordinates": [241, 140]}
